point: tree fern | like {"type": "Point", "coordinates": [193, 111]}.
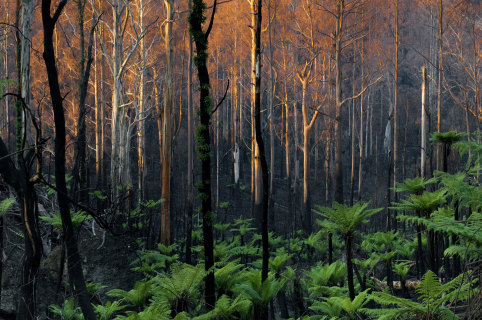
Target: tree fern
{"type": "Point", "coordinates": [68, 311]}
{"type": "Point", "coordinates": [260, 293]}
{"type": "Point", "coordinates": [432, 296]}
{"type": "Point", "coordinates": [136, 297]}
{"type": "Point", "coordinates": [181, 287]}
{"type": "Point", "coordinates": [107, 311]}
{"type": "Point", "coordinates": [414, 185]}
{"type": "Point", "coordinates": [227, 308]}
{"type": "Point", "coordinates": [344, 219]}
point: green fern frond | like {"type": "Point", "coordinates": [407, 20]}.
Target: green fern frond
{"type": "Point", "coordinates": [5, 205]}
{"type": "Point", "coordinates": [344, 219]}
{"type": "Point", "coordinates": [414, 185]}
{"type": "Point", "coordinates": [68, 312]}
{"type": "Point", "coordinates": [136, 297]}
{"type": "Point", "coordinates": [106, 311]}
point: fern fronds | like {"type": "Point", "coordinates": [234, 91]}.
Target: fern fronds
{"type": "Point", "coordinates": [136, 297]}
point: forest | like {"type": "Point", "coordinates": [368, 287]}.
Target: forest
{"type": "Point", "coordinates": [240, 159]}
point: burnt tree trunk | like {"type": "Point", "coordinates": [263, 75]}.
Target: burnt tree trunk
{"type": "Point", "coordinates": [74, 263]}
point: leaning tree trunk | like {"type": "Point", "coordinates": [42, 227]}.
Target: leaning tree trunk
{"type": "Point", "coordinates": [75, 271]}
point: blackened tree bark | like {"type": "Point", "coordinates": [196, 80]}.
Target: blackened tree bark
{"type": "Point", "coordinates": [200, 39]}
{"type": "Point", "coordinates": [261, 206]}
{"type": "Point", "coordinates": [80, 169]}
{"type": "Point", "coordinates": [20, 179]}
{"type": "Point", "coordinates": [74, 263]}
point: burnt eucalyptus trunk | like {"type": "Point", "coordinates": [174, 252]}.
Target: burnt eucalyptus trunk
{"type": "Point", "coordinates": [263, 209]}
{"type": "Point", "coordinates": [19, 178]}
{"type": "Point", "coordinates": [349, 264]}
{"type": "Point", "coordinates": [203, 139]}
{"type": "Point", "coordinates": [80, 169]}
{"type": "Point", "coordinates": [74, 263]}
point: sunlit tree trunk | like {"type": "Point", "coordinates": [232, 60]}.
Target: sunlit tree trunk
{"type": "Point", "coordinates": [165, 236]}
{"type": "Point", "coordinates": [308, 123]}
{"type": "Point", "coordinates": [255, 190]}
{"type": "Point", "coordinates": [271, 33]}
{"type": "Point", "coordinates": [338, 175]}
{"type": "Point", "coordinates": [119, 126]}
{"type": "Point", "coordinates": [141, 130]}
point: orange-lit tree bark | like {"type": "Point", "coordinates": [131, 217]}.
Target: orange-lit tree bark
{"type": "Point", "coordinates": [189, 149]}
{"type": "Point", "coordinates": [74, 265]}
{"type": "Point", "coordinates": [308, 122]}
{"type": "Point", "coordinates": [200, 38]}
{"type": "Point", "coordinates": [255, 169]}
{"type": "Point", "coordinates": [165, 236]}
{"type": "Point", "coordinates": [141, 111]}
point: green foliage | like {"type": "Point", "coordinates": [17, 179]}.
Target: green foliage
{"type": "Point", "coordinates": [227, 308]}
{"type": "Point", "coordinates": [78, 217]}
{"type": "Point", "coordinates": [402, 268]}
{"type": "Point", "coordinates": [323, 280]}
{"type": "Point", "coordinates": [157, 310]}
{"type": "Point", "coordinates": [260, 293]}
{"type": "Point", "coordinates": [224, 205]}
{"type": "Point", "coordinates": [242, 226]}
{"type": "Point", "coordinates": [181, 286]}
{"type": "Point", "coordinates": [98, 194]}
{"type": "Point", "coordinates": [474, 148]}
{"type": "Point", "coordinates": [228, 276]}
{"type": "Point", "coordinates": [344, 219]}
{"type": "Point", "coordinates": [446, 137]}
{"type": "Point", "coordinates": [137, 297]}
{"type": "Point", "coordinates": [108, 310]}
{"type": "Point", "coordinates": [150, 261]}
{"type": "Point", "coordinates": [434, 300]}
{"type": "Point", "coordinates": [68, 312]}
{"type": "Point", "coordinates": [426, 202]}
{"type": "Point", "coordinates": [414, 185]}
{"type": "Point", "coordinates": [5, 205]}
{"type": "Point", "coordinates": [344, 303]}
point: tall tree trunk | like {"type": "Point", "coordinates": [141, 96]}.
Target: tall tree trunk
{"type": "Point", "coordinates": [119, 155]}
{"type": "Point", "coordinates": [262, 205]}
{"type": "Point", "coordinates": [423, 133]}
{"type": "Point", "coordinates": [76, 275]}
{"type": "Point", "coordinates": [338, 104]}
{"type": "Point", "coordinates": [307, 126]}
{"type": "Point", "coordinates": [141, 130]}
{"type": "Point", "coordinates": [165, 236]}
{"type": "Point", "coordinates": [271, 116]}
{"type": "Point", "coordinates": [439, 85]}
{"type": "Point", "coordinates": [80, 154]}
{"type": "Point", "coordinates": [26, 44]}
{"type": "Point", "coordinates": [189, 150]}
{"type": "Point", "coordinates": [255, 192]}
{"type": "Point", "coordinates": [19, 178]}
{"type": "Point", "coordinates": [395, 116]}
{"type": "Point", "coordinates": [203, 140]}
